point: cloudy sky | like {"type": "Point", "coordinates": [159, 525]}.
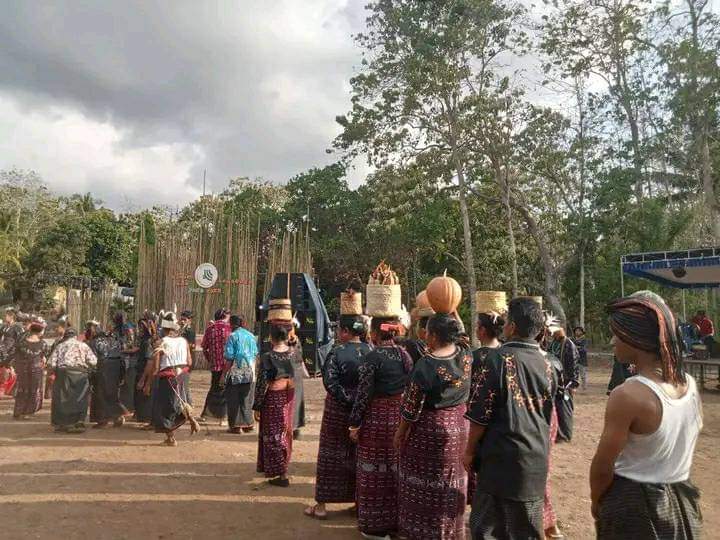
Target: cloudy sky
{"type": "Point", "coordinates": [132, 100]}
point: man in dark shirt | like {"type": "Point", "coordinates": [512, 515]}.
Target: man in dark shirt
{"type": "Point", "coordinates": [186, 329]}
{"type": "Point", "coordinates": [510, 412]}
{"type": "Point", "coordinates": [566, 351]}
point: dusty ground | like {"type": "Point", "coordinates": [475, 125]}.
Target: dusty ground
{"type": "Point", "coordinates": [120, 483]}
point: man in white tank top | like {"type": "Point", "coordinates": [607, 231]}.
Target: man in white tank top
{"type": "Point", "coordinates": [639, 477]}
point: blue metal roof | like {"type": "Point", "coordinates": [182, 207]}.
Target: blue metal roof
{"type": "Point", "coordinates": [688, 269]}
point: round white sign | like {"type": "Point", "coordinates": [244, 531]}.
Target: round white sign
{"type": "Point", "coordinates": [206, 275]}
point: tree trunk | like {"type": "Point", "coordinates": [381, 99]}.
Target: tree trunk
{"type": "Point", "coordinates": [582, 287]}
{"type": "Point", "coordinates": [469, 255]}
{"type": "Point", "coordinates": [552, 270]}
{"type": "Point", "coordinates": [511, 237]}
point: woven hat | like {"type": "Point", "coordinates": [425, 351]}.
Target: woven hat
{"type": "Point", "coordinates": [280, 309]}
{"type": "Point", "coordinates": [351, 303]}
{"type": "Point", "coordinates": [491, 302]}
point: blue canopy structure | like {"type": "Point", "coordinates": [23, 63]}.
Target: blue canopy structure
{"type": "Point", "coordinates": [688, 269]}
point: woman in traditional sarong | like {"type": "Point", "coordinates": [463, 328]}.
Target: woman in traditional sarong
{"type": "Point", "coordinates": [171, 365]}
{"type": "Point", "coordinates": [274, 404]}
{"type": "Point", "coordinates": [241, 352]}
{"type": "Point", "coordinates": [639, 477]}
{"type": "Point", "coordinates": [71, 363]}
{"type": "Point", "coordinates": [489, 330]}
{"type": "Point", "coordinates": [106, 406]}
{"type": "Point", "coordinates": [147, 334]}
{"type": "Point", "coordinates": [432, 437]}
{"type": "Point", "coordinates": [63, 324]}
{"type": "Point", "coordinates": [28, 356]}
{"type": "Point", "coordinates": [382, 376]}
{"type": "Point", "coordinates": [337, 458]}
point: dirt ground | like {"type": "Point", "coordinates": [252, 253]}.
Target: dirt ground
{"type": "Point", "coordinates": [119, 483]}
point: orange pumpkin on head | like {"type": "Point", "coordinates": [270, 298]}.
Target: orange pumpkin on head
{"type": "Point", "coordinates": [444, 294]}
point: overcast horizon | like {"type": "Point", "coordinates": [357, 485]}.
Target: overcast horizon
{"type": "Point", "coordinates": [132, 101]}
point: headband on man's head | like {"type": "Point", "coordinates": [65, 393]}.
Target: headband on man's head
{"type": "Point", "coordinates": [645, 322]}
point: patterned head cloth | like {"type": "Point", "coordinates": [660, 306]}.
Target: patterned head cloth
{"type": "Point", "coordinates": [644, 321]}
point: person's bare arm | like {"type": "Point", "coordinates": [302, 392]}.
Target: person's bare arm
{"type": "Point", "coordinates": [619, 415]}
{"type": "Point", "coordinates": [189, 356]}
{"type": "Point", "coordinates": [476, 434]}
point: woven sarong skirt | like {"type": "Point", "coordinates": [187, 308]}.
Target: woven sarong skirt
{"type": "Point", "coordinates": [433, 481]}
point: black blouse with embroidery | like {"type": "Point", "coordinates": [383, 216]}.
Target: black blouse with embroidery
{"type": "Point", "coordinates": [272, 367]}
{"type": "Point", "coordinates": [513, 400]}
{"type": "Point", "coordinates": [383, 371]}
{"type": "Point", "coordinates": [340, 372]}
{"type": "Point", "coordinates": [437, 383]}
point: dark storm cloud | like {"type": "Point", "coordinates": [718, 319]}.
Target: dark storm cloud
{"type": "Point", "coordinates": [255, 85]}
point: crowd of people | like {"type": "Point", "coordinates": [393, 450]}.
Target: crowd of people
{"type": "Point", "coordinates": [423, 436]}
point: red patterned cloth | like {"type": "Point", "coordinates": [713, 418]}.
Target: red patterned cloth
{"type": "Point", "coordinates": [433, 482]}
{"type": "Point", "coordinates": [276, 432]}
{"type": "Point", "coordinates": [213, 344]}
{"type": "Point", "coordinates": [7, 381]}
{"type": "Point", "coordinates": [337, 457]}
{"type": "Point", "coordinates": [377, 467]}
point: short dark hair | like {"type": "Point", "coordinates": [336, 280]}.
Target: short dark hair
{"type": "Point", "coordinates": [279, 332]}
{"type": "Point", "coordinates": [444, 327]}
{"type": "Point", "coordinates": [187, 314]}
{"type": "Point", "coordinates": [527, 315]}
{"type": "Point", "coordinates": [355, 324]}
{"type": "Point", "coordinates": [236, 321]}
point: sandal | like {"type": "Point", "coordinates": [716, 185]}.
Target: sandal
{"type": "Point", "coordinates": [312, 511]}
{"type": "Point", "coordinates": [279, 482]}
{"type": "Point", "coordinates": [169, 442]}
{"type": "Point", "coordinates": [553, 533]}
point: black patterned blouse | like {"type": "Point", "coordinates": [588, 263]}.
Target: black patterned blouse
{"type": "Point", "coordinates": [341, 371]}
{"type": "Point", "coordinates": [437, 382]}
{"type": "Point", "coordinates": [33, 353]}
{"type": "Point", "coordinates": [384, 371]}
{"type": "Point", "coordinates": [272, 366]}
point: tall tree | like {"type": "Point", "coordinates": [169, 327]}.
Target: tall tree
{"type": "Point", "coordinates": [424, 65]}
{"type": "Point", "coordinates": [693, 79]}
{"type": "Point", "coordinates": [607, 39]}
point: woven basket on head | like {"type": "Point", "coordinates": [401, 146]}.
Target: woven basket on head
{"type": "Point", "coordinates": [351, 303]}
{"type": "Point", "coordinates": [537, 299]}
{"type": "Point", "coordinates": [280, 309]}
{"type": "Point", "coordinates": [384, 300]}
{"type": "Point", "coordinates": [491, 302]}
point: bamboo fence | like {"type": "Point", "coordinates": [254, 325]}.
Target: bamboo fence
{"type": "Point", "coordinates": [83, 305]}
{"type": "Point", "coordinates": [166, 268]}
